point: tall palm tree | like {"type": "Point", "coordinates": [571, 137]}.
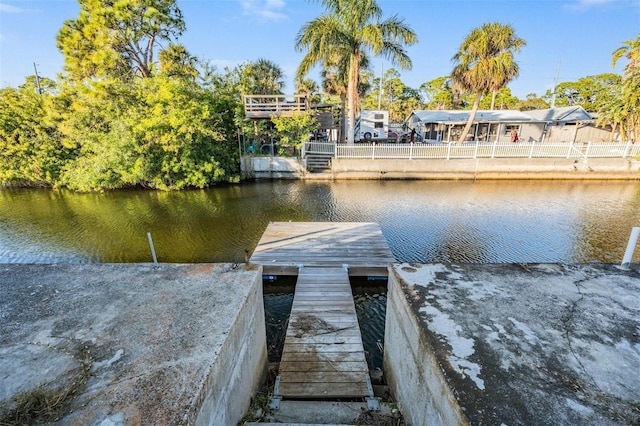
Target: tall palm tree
{"type": "Point", "coordinates": [349, 30]}
{"type": "Point", "coordinates": [629, 115]}
{"type": "Point", "coordinates": [486, 63]}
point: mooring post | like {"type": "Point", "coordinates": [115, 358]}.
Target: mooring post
{"type": "Point", "coordinates": [153, 250]}
{"type": "Point", "coordinates": [631, 246]}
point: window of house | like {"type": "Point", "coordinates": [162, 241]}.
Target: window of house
{"type": "Point", "coordinates": [511, 127]}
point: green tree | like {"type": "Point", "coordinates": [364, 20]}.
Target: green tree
{"type": "Point", "coordinates": [31, 152]}
{"type": "Point", "coordinates": [396, 97]}
{"type": "Point", "coordinates": [438, 93]}
{"type": "Point", "coordinates": [293, 131]}
{"type": "Point", "coordinates": [349, 30]}
{"type": "Point", "coordinates": [161, 132]}
{"type": "Point", "coordinates": [532, 102]}
{"type": "Point", "coordinates": [587, 92]}
{"type": "Point", "coordinates": [631, 50]}
{"type": "Point", "coordinates": [186, 138]}
{"type": "Point", "coordinates": [94, 123]}
{"type": "Point", "coordinates": [485, 63]}
{"type": "Point", "coordinates": [500, 99]}
{"type": "Point", "coordinates": [176, 61]}
{"type": "Point", "coordinates": [117, 38]}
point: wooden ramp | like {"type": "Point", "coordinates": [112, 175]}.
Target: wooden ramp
{"type": "Point", "coordinates": [323, 356]}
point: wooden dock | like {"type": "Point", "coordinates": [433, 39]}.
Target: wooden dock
{"type": "Point", "coordinates": [323, 355]}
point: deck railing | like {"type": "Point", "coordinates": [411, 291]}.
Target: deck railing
{"type": "Point", "coordinates": [474, 150]}
{"type": "Point", "coordinates": [265, 106]}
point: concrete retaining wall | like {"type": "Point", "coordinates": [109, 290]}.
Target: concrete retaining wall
{"type": "Point", "coordinates": [487, 168]}
{"type": "Point", "coordinates": [411, 368]}
{"type": "Point", "coordinates": [240, 366]}
{"type": "Point", "coordinates": [272, 168]}
{"type": "Point", "coordinates": [439, 169]}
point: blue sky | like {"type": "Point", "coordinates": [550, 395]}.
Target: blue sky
{"type": "Point", "coordinates": [568, 38]}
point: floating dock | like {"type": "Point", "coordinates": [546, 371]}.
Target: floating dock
{"type": "Point", "coordinates": [323, 355]}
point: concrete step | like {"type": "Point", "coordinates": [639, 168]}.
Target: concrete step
{"type": "Point", "coordinates": [318, 162]}
{"type": "Point", "coordinates": [326, 413]}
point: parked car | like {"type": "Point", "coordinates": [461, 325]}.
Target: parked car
{"type": "Point", "coordinates": [319, 136]}
{"type": "Point", "coordinates": [405, 137]}
{"type": "Point", "coordinates": [392, 136]}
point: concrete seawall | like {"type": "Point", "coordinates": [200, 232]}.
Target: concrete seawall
{"type": "Point", "coordinates": [440, 169]}
{"type": "Point", "coordinates": [488, 168]}
{"type": "Point", "coordinates": [545, 344]}
{"type": "Point", "coordinates": [542, 344]}
{"type": "Point", "coordinates": [177, 344]}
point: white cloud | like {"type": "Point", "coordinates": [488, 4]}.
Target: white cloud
{"type": "Point", "coordinates": [586, 4]}
{"type": "Point", "coordinates": [7, 8]}
{"type": "Point", "coordinates": [268, 10]}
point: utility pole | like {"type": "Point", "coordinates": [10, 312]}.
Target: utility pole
{"type": "Point", "coordinates": [380, 89]}
{"type": "Point", "coordinates": [555, 83]}
{"type": "Point", "coordinates": [37, 79]}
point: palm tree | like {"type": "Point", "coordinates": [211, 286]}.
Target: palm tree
{"type": "Point", "coordinates": [629, 113]}
{"type": "Point", "coordinates": [263, 77]}
{"type": "Point", "coordinates": [631, 50]}
{"type": "Point", "coordinates": [348, 31]}
{"type": "Point", "coordinates": [309, 89]}
{"type": "Point", "coordinates": [485, 63]}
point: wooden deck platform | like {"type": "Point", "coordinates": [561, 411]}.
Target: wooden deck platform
{"type": "Point", "coordinates": [285, 246]}
{"type": "Point", "coordinates": [323, 356]}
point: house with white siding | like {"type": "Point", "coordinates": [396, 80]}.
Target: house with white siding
{"type": "Point", "coordinates": [434, 126]}
{"type": "Point", "coordinates": [568, 124]}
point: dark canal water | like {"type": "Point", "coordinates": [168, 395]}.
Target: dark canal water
{"type": "Point", "coordinates": [423, 221]}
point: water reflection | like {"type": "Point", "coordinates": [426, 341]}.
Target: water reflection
{"type": "Point", "coordinates": [423, 221]}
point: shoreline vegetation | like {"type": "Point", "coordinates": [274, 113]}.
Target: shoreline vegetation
{"type": "Point", "coordinates": [134, 109]}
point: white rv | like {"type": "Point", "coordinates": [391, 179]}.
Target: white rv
{"type": "Point", "coordinates": [372, 125]}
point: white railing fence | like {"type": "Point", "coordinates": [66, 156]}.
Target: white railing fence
{"type": "Point", "coordinates": [473, 150]}
{"type": "Point", "coordinates": [322, 148]}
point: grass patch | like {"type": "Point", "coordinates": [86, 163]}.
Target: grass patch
{"type": "Point", "coordinates": [49, 401]}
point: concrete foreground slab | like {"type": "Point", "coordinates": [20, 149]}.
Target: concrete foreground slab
{"type": "Point", "coordinates": [150, 339]}
{"type": "Point", "coordinates": [546, 344]}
